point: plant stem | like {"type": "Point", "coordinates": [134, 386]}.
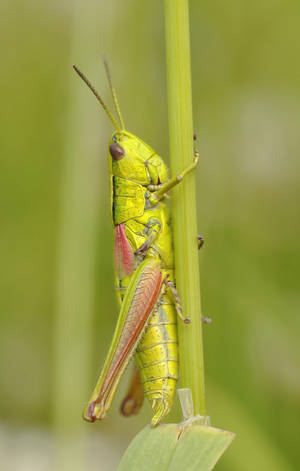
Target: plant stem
{"type": "Point", "coordinates": [184, 198]}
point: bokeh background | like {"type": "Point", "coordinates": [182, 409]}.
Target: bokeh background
{"type": "Point", "coordinates": [57, 303]}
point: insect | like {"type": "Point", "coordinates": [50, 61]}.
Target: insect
{"type": "Point", "coordinates": [144, 274]}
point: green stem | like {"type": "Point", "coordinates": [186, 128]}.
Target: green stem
{"type": "Point", "coordinates": [184, 198]}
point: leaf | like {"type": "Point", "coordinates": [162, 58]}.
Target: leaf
{"type": "Point", "coordinates": [152, 448]}
{"type": "Point", "coordinates": [200, 448]}
{"type": "Point", "coordinates": [164, 448]}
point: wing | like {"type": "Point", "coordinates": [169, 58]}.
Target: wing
{"type": "Point", "coordinates": [139, 301]}
{"type": "Point", "coordinates": [123, 254]}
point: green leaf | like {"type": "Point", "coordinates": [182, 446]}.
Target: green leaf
{"type": "Point", "coordinates": [168, 448]}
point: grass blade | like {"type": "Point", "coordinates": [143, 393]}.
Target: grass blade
{"type": "Point", "coordinates": [164, 448]}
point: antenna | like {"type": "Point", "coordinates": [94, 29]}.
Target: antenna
{"type": "Point", "coordinates": [113, 92]}
{"type": "Point", "coordinates": [88, 83]}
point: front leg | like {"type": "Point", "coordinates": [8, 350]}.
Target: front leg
{"type": "Point", "coordinates": [159, 193]}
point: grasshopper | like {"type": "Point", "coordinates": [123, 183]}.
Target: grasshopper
{"type": "Point", "coordinates": [144, 274]}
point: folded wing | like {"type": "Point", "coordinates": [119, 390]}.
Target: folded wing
{"type": "Point", "coordinates": [139, 301]}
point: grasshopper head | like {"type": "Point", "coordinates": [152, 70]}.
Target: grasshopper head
{"type": "Point", "coordinates": [131, 158]}
{"type": "Point", "coordinates": [128, 156]}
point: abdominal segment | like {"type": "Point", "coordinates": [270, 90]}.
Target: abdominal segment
{"type": "Point", "coordinates": [157, 359]}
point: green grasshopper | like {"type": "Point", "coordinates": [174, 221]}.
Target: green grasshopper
{"type": "Point", "coordinates": [144, 274]}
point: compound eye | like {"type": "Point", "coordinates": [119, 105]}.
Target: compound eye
{"type": "Point", "coordinates": [116, 151]}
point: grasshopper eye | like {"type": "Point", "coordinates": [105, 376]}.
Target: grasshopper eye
{"type": "Point", "coordinates": [116, 151]}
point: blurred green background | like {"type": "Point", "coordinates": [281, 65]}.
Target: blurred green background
{"type": "Point", "coordinates": [58, 308]}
